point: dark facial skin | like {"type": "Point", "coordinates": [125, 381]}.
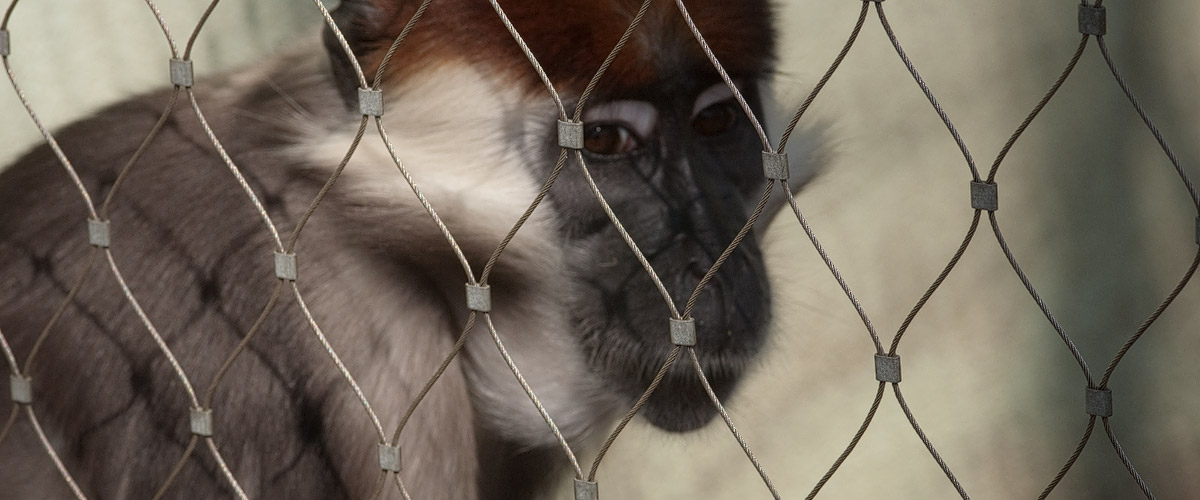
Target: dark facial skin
{"type": "Point", "coordinates": [682, 192]}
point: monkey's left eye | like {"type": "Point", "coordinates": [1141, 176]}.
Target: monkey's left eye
{"type": "Point", "coordinates": [716, 119]}
{"type": "Point", "coordinates": [609, 139]}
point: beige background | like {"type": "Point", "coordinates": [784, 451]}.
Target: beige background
{"type": "Point", "coordinates": [1091, 207]}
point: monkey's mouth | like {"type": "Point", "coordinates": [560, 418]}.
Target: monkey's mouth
{"type": "Point", "coordinates": [633, 343]}
{"type": "Point", "coordinates": [681, 403]}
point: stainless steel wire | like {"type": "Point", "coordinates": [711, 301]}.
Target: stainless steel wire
{"type": "Point", "coordinates": [21, 367]}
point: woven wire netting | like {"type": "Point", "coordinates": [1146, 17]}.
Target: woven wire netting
{"type": "Point", "coordinates": [1097, 420]}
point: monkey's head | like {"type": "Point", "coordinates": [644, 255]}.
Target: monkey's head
{"type": "Point", "coordinates": [668, 146]}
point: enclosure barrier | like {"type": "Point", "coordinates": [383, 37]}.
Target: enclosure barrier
{"type": "Point", "coordinates": [983, 195]}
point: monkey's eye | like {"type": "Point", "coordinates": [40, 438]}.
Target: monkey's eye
{"type": "Point", "coordinates": [618, 128]}
{"type": "Point", "coordinates": [716, 119]}
{"type": "Point", "coordinates": [609, 139]}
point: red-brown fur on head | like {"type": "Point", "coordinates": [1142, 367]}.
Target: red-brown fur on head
{"type": "Point", "coordinates": [569, 38]}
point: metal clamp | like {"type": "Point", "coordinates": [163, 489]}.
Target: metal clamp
{"type": "Point", "coordinates": [1092, 20]}
{"type": "Point", "coordinates": [683, 332]}
{"type": "Point", "coordinates": [181, 73]}
{"type": "Point", "coordinates": [775, 165]}
{"type": "Point", "coordinates": [389, 457]}
{"type": "Point", "coordinates": [1099, 402]}
{"type": "Point", "coordinates": [570, 134]}
{"type": "Point", "coordinates": [4, 43]}
{"type": "Point", "coordinates": [21, 388]}
{"type": "Point", "coordinates": [887, 368]}
{"type": "Point", "coordinates": [370, 102]}
{"type": "Point", "coordinates": [202, 422]}
{"type": "Point", "coordinates": [586, 490]}
{"type": "Point", "coordinates": [984, 196]}
{"type": "Point", "coordinates": [99, 233]}
{"type": "Point", "coordinates": [285, 266]}
{"type": "Point", "coordinates": [479, 298]}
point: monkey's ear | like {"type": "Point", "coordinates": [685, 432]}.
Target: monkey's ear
{"type": "Point", "coordinates": [369, 26]}
{"type": "Point", "coordinates": [807, 156]}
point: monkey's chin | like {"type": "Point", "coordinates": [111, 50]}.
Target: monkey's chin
{"type": "Point", "coordinates": [681, 404]}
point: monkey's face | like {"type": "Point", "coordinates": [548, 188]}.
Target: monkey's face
{"type": "Point", "coordinates": [681, 167]}
{"type": "Point", "coordinates": [669, 149]}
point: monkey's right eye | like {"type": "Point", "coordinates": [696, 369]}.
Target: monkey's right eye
{"type": "Point", "coordinates": [609, 139]}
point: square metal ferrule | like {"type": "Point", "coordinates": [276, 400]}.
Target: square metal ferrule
{"type": "Point", "coordinates": [586, 490]}
{"type": "Point", "coordinates": [479, 298]}
{"type": "Point", "coordinates": [1092, 20]}
{"type": "Point", "coordinates": [985, 196]}
{"type": "Point", "coordinates": [570, 134]}
{"type": "Point", "coordinates": [202, 422]}
{"type": "Point", "coordinates": [887, 368]}
{"type": "Point", "coordinates": [285, 266]}
{"type": "Point", "coordinates": [181, 73]}
{"type": "Point", "coordinates": [21, 389]}
{"type": "Point", "coordinates": [389, 457]}
{"type": "Point", "coordinates": [99, 233]}
{"type": "Point", "coordinates": [775, 165]}
{"type": "Point", "coordinates": [1099, 402]}
{"type": "Point", "coordinates": [683, 332]}
{"type": "Point", "coordinates": [370, 102]}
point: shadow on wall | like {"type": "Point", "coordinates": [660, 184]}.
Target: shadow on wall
{"type": "Point", "coordinates": [1089, 204]}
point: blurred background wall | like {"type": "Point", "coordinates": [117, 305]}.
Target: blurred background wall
{"type": "Point", "coordinates": [1090, 205]}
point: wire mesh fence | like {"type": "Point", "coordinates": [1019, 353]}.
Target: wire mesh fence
{"type": "Point", "coordinates": [980, 188]}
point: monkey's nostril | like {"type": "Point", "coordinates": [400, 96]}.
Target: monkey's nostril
{"type": "Point", "coordinates": [698, 271]}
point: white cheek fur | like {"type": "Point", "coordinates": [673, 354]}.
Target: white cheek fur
{"type": "Point", "coordinates": [427, 133]}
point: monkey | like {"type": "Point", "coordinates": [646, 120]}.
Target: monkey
{"type": "Point", "coordinates": [677, 160]}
